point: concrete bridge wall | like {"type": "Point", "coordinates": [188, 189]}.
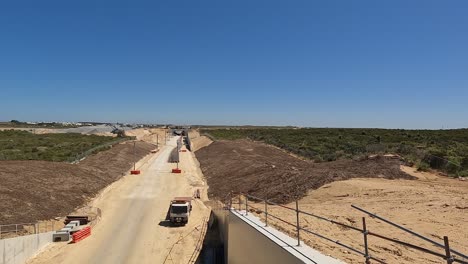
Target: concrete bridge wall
{"type": "Point", "coordinates": [247, 240]}
{"type": "Point", "coordinates": [19, 249]}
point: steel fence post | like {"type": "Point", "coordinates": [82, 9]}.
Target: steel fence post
{"type": "Point", "coordinates": [447, 251]}
{"type": "Point", "coordinates": [266, 212]}
{"type": "Point", "coordinates": [16, 229]}
{"type": "Point", "coordinates": [240, 201]}
{"type": "Point", "coordinates": [246, 205]}
{"type": "Point", "coordinates": [298, 229]}
{"type": "Point", "coordinates": [366, 247]}
{"type": "Point", "coordinates": [0, 231]}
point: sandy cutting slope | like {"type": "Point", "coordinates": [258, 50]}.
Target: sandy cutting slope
{"type": "Point", "coordinates": [426, 203]}
{"type": "Point", "coordinates": [199, 141]}
{"type": "Point", "coordinates": [151, 135]}
{"type": "Point", "coordinates": [260, 169]}
{"type": "Point", "coordinates": [40, 190]}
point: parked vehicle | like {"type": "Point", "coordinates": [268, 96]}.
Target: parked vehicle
{"type": "Point", "coordinates": [180, 209]}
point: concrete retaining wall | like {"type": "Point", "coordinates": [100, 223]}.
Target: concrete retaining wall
{"type": "Point", "coordinates": [246, 240]}
{"type": "Point", "coordinates": [247, 245]}
{"type": "Point", "coordinates": [19, 249]}
{"type": "Point", "coordinates": [223, 226]}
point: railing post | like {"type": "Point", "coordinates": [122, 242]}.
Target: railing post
{"type": "Point", "coordinates": [266, 212]}
{"type": "Point", "coordinates": [0, 231]}
{"type": "Point", "coordinates": [16, 229]}
{"type": "Point", "coordinates": [298, 229]}
{"type": "Point", "coordinates": [230, 201]}
{"type": "Point", "coordinates": [239, 202]}
{"type": "Point", "coordinates": [365, 233]}
{"type": "Point", "coordinates": [447, 251]}
{"type": "Point", "coordinates": [246, 205]}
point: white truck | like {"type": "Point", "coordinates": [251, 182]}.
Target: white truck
{"type": "Point", "coordinates": [180, 209]}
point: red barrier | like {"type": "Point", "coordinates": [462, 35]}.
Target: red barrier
{"type": "Point", "coordinates": [176, 171]}
{"type": "Point", "coordinates": [183, 150]}
{"type": "Point", "coordinates": [82, 234]}
{"type": "Point", "coordinates": [134, 172]}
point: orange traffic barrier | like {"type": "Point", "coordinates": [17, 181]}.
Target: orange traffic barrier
{"type": "Point", "coordinates": [134, 172]}
{"type": "Point", "coordinates": [82, 234]}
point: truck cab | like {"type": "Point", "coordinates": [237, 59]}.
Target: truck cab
{"type": "Point", "coordinates": [180, 209]}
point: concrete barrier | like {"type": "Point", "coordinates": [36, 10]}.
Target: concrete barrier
{"type": "Point", "coordinates": [18, 250]}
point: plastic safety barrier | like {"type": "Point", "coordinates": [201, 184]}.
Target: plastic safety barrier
{"type": "Point", "coordinates": [82, 234]}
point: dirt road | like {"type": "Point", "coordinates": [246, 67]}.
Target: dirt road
{"type": "Point", "coordinates": [133, 227]}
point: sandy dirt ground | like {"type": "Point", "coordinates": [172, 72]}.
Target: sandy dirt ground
{"type": "Point", "coordinates": [433, 206]}
{"type": "Point", "coordinates": [133, 226]}
{"type": "Point", "coordinates": [151, 135]}
{"type": "Point", "coordinates": [41, 190]}
{"type": "Point", "coordinates": [262, 170]}
{"type": "Point", "coordinates": [198, 141]}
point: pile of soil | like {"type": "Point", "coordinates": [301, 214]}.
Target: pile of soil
{"type": "Point", "coordinates": [40, 190]}
{"type": "Point", "coordinates": [265, 171]}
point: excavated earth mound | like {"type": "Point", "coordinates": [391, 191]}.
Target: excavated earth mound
{"type": "Point", "coordinates": [40, 190]}
{"type": "Point", "coordinates": [265, 171]}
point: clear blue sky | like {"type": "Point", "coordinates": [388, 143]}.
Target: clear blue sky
{"type": "Point", "coordinates": [399, 64]}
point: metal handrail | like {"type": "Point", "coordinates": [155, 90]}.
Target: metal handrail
{"type": "Point", "coordinates": [447, 256]}
{"type": "Point", "coordinates": [409, 231]}
{"type": "Point", "coordinates": [19, 224]}
{"type": "Point", "coordinates": [18, 229]}
{"type": "Point", "coordinates": [332, 221]}
{"type": "Point", "coordinates": [316, 234]}
{"type": "Point", "coordinates": [306, 213]}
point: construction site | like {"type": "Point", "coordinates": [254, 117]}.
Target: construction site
{"type": "Point", "coordinates": [234, 132]}
{"type": "Point", "coordinates": [172, 195]}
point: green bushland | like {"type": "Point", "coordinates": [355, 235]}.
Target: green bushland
{"type": "Point", "coordinates": [23, 145]}
{"type": "Point", "coordinates": [444, 150]}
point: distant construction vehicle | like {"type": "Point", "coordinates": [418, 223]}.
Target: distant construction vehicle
{"type": "Point", "coordinates": [180, 209]}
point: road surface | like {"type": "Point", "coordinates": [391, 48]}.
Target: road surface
{"type": "Point", "coordinates": [133, 227]}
